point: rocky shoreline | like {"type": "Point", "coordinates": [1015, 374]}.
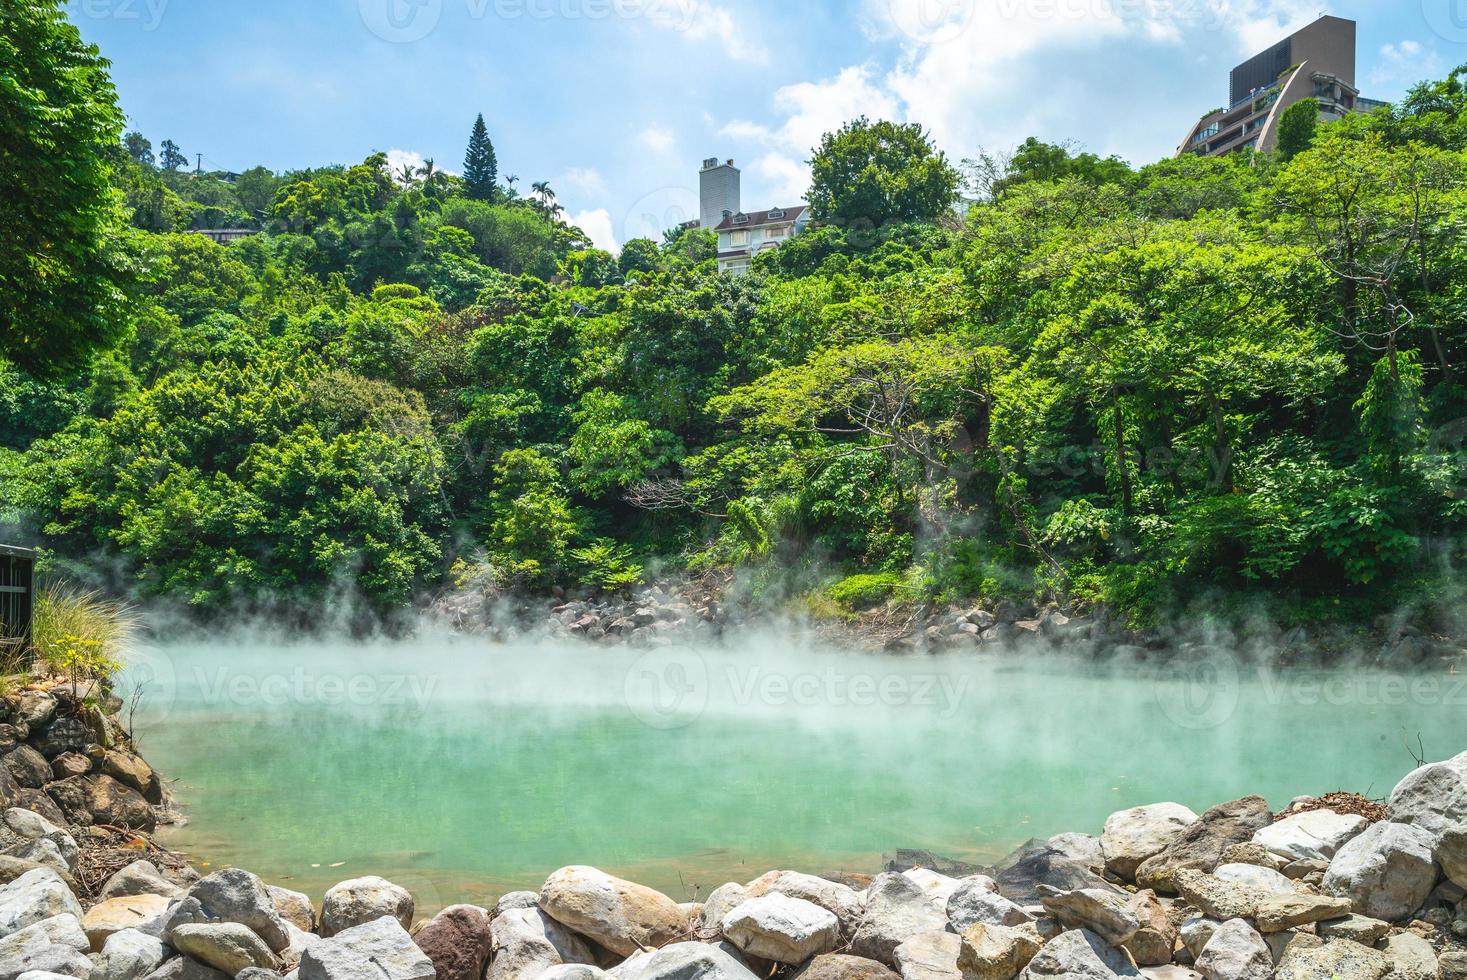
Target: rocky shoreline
{"type": "Point", "coordinates": [1334, 888]}
{"type": "Point", "coordinates": [706, 609]}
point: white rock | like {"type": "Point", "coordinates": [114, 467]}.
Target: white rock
{"type": "Point", "coordinates": [975, 901]}
{"type": "Point", "coordinates": [929, 956]}
{"type": "Point", "coordinates": [621, 915]}
{"type": "Point", "coordinates": [938, 885]}
{"type": "Point", "coordinates": [63, 930]}
{"type": "Point", "coordinates": [844, 902]}
{"type": "Point", "coordinates": [897, 908]}
{"type": "Point", "coordinates": [139, 878]}
{"type": "Point", "coordinates": [1084, 849]}
{"type": "Point", "coordinates": [1196, 931]}
{"type": "Point", "coordinates": [1264, 879]}
{"type": "Point", "coordinates": [782, 929]}
{"type": "Point", "coordinates": [1131, 836]}
{"type": "Point", "coordinates": [377, 950]}
{"type": "Point", "coordinates": [1313, 834]}
{"type": "Point", "coordinates": [720, 902]}
{"type": "Point", "coordinates": [226, 946]}
{"type": "Point", "coordinates": [37, 895]}
{"type": "Point", "coordinates": [1434, 798]}
{"type": "Point", "coordinates": [362, 900]}
{"type": "Point", "coordinates": [1412, 958]}
{"type": "Point", "coordinates": [1080, 955]}
{"type": "Point", "coordinates": [683, 961]}
{"type": "Point", "coordinates": [528, 942]}
{"type": "Point", "coordinates": [517, 900]}
{"type": "Point", "coordinates": [129, 955]}
{"type": "Point", "coordinates": [1236, 952]}
{"type": "Point", "coordinates": [1387, 871]}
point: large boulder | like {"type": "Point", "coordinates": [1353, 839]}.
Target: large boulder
{"type": "Point", "coordinates": [1386, 872]}
{"type": "Point", "coordinates": [721, 901]}
{"type": "Point", "coordinates": [1131, 836]}
{"type": "Point", "coordinates": [129, 955]}
{"type": "Point", "coordinates": [294, 907]}
{"type": "Point", "coordinates": [226, 946]}
{"type": "Point", "coordinates": [929, 956]}
{"type": "Point", "coordinates": [1036, 863]}
{"type": "Point", "coordinates": [35, 896]}
{"type": "Point", "coordinates": [1313, 834]}
{"type": "Point", "coordinates": [897, 908]}
{"type": "Point", "coordinates": [139, 878]}
{"type": "Point", "coordinates": [28, 766]}
{"type": "Point", "coordinates": [1216, 898]}
{"type": "Point", "coordinates": [458, 940]}
{"type": "Point", "coordinates": [1108, 915]}
{"type": "Point", "coordinates": [976, 900]}
{"type": "Point", "coordinates": [685, 961]}
{"type": "Point", "coordinates": [1200, 845]}
{"type": "Point", "coordinates": [1411, 957]}
{"type": "Point", "coordinates": [1156, 938]}
{"type": "Point", "coordinates": [361, 900]}
{"type": "Point", "coordinates": [68, 734]}
{"type": "Point", "coordinates": [235, 895]}
{"type": "Point", "coordinates": [994, 952]}
{"type": "Point", "coordinates": [1434, 798]}
{"type": "Point", "coordinates": [117, 914]}
{"type": "Point", "coordinates": [842, 901]}
{"type": "Point", "coordinates": [526, 942]}
{"type": "Point", "coordinates": [1281, 912]}
{"type": "Point", "coordinates": [1338, 959]}
{"type": "Point", "coordinates": [62, 930]}
{"type": "Point", "coordinates": [48, 962]}
{"type": "Point", "coordinates": [376, 950]}
{"type": "Point", "coordinates": [621, 915]}
{"type": "Point", "coordinates": [131, 770]}
{"type": "Point", "coordinates": [840, 966]}
{"type": "Point", "coordinates": [88, 800]}
{"type": "Point", "coordinates": [1235, 952]}
{"type": "Point", "coordinates": [782, 929]}
{"type": "Point", "coordinates": [1080, 955]}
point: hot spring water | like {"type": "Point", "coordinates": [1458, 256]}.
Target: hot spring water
{"type": "Point", "coordinates": [462, 769]}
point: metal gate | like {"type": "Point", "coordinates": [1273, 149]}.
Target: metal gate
{"type": "Point", "coordinates": [17, 602]}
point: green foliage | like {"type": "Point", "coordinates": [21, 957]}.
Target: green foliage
{"type": "Point", "coordinates": [61, 277]}
{"type": "Point", "coordinates": [80, 634]}
{"type": "Point", "coordinates": [1297, 127]}
{"type": "Point", "coordinates": [870, 174]}
{"type": "Point", "coordinates": [481, 168]}
{"type": "Point", "coordinates": [864, 591]}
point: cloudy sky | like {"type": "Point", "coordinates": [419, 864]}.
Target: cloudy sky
{"type": "Point", "coordinates": [616, 102]}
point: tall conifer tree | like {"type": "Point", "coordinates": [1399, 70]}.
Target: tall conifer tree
{"type": "Point", "coordinates": [481, 169]}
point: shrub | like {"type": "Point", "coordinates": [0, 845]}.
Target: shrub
{"type": "Point", "coordinates": [81, 634]}
{"type": "Point", "coordinates": [865, 591]}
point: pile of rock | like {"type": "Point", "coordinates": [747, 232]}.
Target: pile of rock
{"type": "Point", "coordinates": [66, 758]}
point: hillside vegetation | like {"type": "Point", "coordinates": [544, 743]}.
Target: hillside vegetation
{"type": "Point", "coordinates": [1200, 378]}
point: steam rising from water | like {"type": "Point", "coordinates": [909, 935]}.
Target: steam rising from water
{"type": "Point", "coordinates": [465, 768]}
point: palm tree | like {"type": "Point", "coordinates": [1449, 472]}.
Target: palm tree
{"type": "Point", "coordinates": [406, 175]}
{"type": "Point", "coordinates": [545, 198]}
{"type": "Point", "coordinates": [433, 178]}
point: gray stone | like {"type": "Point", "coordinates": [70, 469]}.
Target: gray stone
{"type": "Point", "coordinates": [127, 912]}
{"type": "Point", "coordinates": [57, 959]}
{"type": "Point", "coordinates": [929, 955]}
{"type": "Point", "coordinates": [226, 946]}
{"type": "Point", "coordinates": [720, 902]}
{"type": "Point", "coordinates": [1313, 834]}
{"type": "Point", "coordinates": [1131, 836]}
{"type": "Point", "coordinates": [36, 709]}
{"type": "Point", "coordinates": [1218, 899]}
{"type": "Point", "coordinates": [139, 878]}
{"type": "Point", "coordinates": [1281, 912]}
{"type": "Point", "coordinates": [59, 930]}
{"type": "Point", "coordinates": [842, 901]}
{"type": "Point", "coordinates": [1083, 849]}
{"type": "Point", "coordinates": [1200, 845]}
{"type": "Point", "coordinates": [839, 966]}
{"type": "Point", "coordinates": [1106, 914]}
{"type": "Point", "coordinates": [897, 907]}
{"type": "Point", "coordinates": [361, 900]}
{"type": "Point", "coordinates": [1359, 928]}
{"type": "Point", "coordinates": [1195, 931]}
{"type": "Point", "coordinates": [1434, 798]}
{"type": "Point", "coordinates": [996, 952]}
{"type": "Point", "coordinates": [377, 950]}
{"type": "Point", "coordinates": [234, 895]}
{"type": "Point", "coordinates": [1386, 872]}
{"type": "Point", "coordinates": [129, 955]}
{"type": "Point", "coordinates": [43, 852]}
{"type": "Point", "coordinates": [685, 961]}
{"type": "Point", "coordinates": [1338, 959]}
{"type": "Point", "coordinates": [974, 901]}
{"type": "Point", "coordinates": [1080, 955]}
{"type": "Point", "coordinates": [517, 900]}
{"type": "Point", "coordinates": [621, 915]}
{"type": "Point", "coordinates": [1452, 965]}
{"type": "Point", "coordinates": [28, 766]}
{"type": "Point", "coordinates": [1235, 952]}
{"type": "Point", "coordinates": [1411, 957]}
{"type": "Point", "coordinates": [294, 907]}
{"type": "Point", "coordinates": [184, 968]}
{"type": "Point", "coordinates": [527, 942]}
{"type": "Point", "coordinates": [36, 895]}
{"type": "Point", "coordinates": [1264, 879]}
{"type": "Point", "coordinates": [783, 929]}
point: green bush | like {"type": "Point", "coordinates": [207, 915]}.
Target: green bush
{"type": "Point", "coordinates": [865, 591]}
{"type": "Point", "coordinates": [81, 634]}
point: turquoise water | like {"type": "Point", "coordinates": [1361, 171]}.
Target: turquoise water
{"type": "Point", "coordinates": [463, 769]}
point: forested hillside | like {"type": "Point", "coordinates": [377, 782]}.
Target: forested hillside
{"type": "Point", "coordinates": [1237, 377]}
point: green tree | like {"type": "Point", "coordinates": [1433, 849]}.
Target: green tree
{"type": "Point", "coordinates": [639, 255]}
{"type": "Point", "coordinates": [170, 157]}
{"type": "Point", "coordinates": [139, 149]}
{"type": "Point", "coordinates": [61, 277]}
{"type": "Point", "coordinates": [481, 168]}
{"type": "Point", "coordinates": [869, 174]}
{"type": "Point", "coordinates": [1297, 127]}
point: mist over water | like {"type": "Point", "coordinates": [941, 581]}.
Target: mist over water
{"type": "Point", "coordinates": [463, 769]}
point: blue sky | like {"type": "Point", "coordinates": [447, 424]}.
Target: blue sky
{"type": "Point", "coordinates": [616, 102]}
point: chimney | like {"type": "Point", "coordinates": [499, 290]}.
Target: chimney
{"type": "Point", "coordinates": [718, 192]}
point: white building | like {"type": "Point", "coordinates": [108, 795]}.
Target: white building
{"type": "Point", "coordinates": [718, 191]}
{"type": "Point", "coordinates": [743, 236]}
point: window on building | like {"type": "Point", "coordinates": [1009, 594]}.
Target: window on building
{"type": "Point", "coordinates": [778, 231]}
{"type": "Point", "coordinates": [738, 237]}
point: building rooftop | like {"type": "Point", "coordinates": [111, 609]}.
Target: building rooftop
{"type": "Point", "coordinates": [759, 219]}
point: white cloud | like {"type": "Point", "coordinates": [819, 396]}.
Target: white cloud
{"type": "Point", "coordinates": [596, 223]}
{"type": "Point", "coordinates": [659, 139]}
{"type": "Point", "coordinates": [397, 159]}
{"type": "Point", "coordinates": [1405, 61]}
{"type": "Point", "coordinates": [789, 179]}
{"type": "Point", "coordinates": [582, 180]}
{"type": "Point", "coordinates": [700, 20]}
{"type": "Point", "coordinates": [812, 109]}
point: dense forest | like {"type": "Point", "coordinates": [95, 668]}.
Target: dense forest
{"type": "Point", "coordinates": [1040, 375]}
